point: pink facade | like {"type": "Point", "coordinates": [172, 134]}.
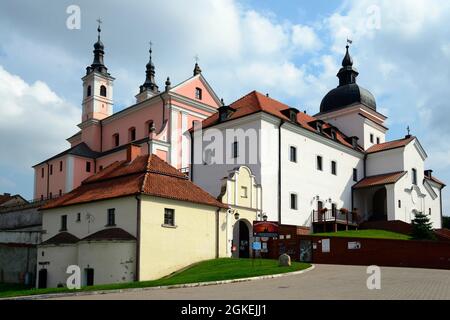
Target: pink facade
{"type": "Point", "coordinates": [105, 139]}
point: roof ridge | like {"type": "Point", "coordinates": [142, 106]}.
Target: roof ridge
{"type": "Point", "coordinates": [244, 96]}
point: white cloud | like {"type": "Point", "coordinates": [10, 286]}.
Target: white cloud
{"type": "Point", "coordinates": [305, 38]}
{"type": "Point", "coordinates": [34, 121]}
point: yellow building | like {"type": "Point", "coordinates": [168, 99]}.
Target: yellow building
{"type": "Point", "coordinates": [137, 219]}
{"type": "Point", "coordinates": [242, 194]}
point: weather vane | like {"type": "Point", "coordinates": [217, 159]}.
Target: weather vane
{"type": "Point", "coordinates": [408, 130]}
{"type": "Point", "coordinates": [349, 41]}
{"type": "Point", "coordinates": [196, 58]}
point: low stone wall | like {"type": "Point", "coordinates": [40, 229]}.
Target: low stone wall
{"type": "Point", "coordinates": [361, 251]}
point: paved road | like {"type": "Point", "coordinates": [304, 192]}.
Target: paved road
{"type": "Point", "coordinates": [324, 282]}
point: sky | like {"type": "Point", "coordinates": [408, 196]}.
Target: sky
{"type": "Point", "coordinates": [289, 49]}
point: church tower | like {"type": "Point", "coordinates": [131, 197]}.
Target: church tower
{"type": "Point", "coordinates": [97, 86]}
{"type": "Point", "coordinates": [149, 88]}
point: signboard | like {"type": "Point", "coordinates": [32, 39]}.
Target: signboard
{"type": "Point", "coordinates": [256, 246]}
{"type": "Point", "coordinates": [354, 245]}
{"type": "Point", "coordinates": [264, 247]}
{"type": "Point", "coordinates": [325, 245]}
{"type": "Point", "coordinates": [267, 229]}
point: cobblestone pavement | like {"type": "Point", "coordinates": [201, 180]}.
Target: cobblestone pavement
{"type": "Point", "coordinates": [324, 282]}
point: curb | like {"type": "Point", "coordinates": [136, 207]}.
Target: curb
{"type": "Point", "coordinates": [175, 286]}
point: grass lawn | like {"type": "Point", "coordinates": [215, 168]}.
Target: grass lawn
{"type": "Point", "coordinates": [377, 234]}
{"type": "Point", "coordinates": [211, 270]}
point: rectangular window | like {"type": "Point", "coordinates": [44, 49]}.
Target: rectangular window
{"type": "Point", "coordinates": [111, 217]}
{"type": "Point", "coordinates": [60, 192]}
{"type": "Point", "coordinates": [132, 134]}
{"type": "Point", "coordinates": [371, 138]}
{"type": "Point", "coordinates": [169, 217]}
{"type": "Point", "coordinates": [198, 93]}
{"type": "Point", "coordinates": [333, 167]}
{"type": "Point", "coordinates": [399, 203]}
{"type": "Point", "coordinates": [235, 149]}
{"type": "Point", "coordinates": [42, 172]}
{"type": "Point", "coordinates": [63, 223]}
{"type": "Point", "coordinates": [88, 166]}
{"type": "Point", "coordinates": [51, 169]}
{"type": "Point", "coordinates": [355, 174]}
{"type": "Point", "coordinates": [60, 166]}
{"type": "Point", "coordinates": [293, 154]}
{"type": "Point", "coordinates": [100, 168]}
{"type": "Point", "coordinates": [378, 140]}
{"type": "Point", "coordinates": [116, 140]}
{"type": "Point", "coordinates": [333, 209]}
{"type": "Point", "coordinates": [78, 217]}
{"type": "Point", "coordinates": [293, 201]}
{"type": "Point", "coordinates": [51, 195]}
{"type": "Point", "coordinates": [414, 176]}
{"type": "Point", "coordinates": [244, 192]}
{"type": "Point", "coordinates": [429, 211]}
{"type": "Point", "coordinates": [319, 163]}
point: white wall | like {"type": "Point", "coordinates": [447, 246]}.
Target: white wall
{"type": "Point", "coordinates": [385, 162]}
{"type": "Point", "coordinates": [304, 179]}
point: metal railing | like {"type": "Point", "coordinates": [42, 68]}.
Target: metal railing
{"type": "Point", "coordinates": [338, 216]}
{"type": "Point", "coordinates": [29, 203]}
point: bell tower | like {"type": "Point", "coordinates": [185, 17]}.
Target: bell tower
{"type": "Point", "coordinates": [97, 86]}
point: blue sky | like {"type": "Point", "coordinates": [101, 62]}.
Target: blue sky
{"type": "Point", "coordinates": [290, 49]}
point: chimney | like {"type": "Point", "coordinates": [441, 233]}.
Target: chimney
{"type": "Point", "coordinates": [7, 194]}
{"type": "Point", "coordinates": [133, 151]}
{"type": "Point", "coordinates": [428, 173]}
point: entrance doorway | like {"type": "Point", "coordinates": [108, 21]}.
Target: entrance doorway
{"type": "Point", "coordinates": [244, 239]}
{"type": "Point", "coordinates": [379, 205]}
{"type": "Point", "coordinates": [89, 274]}
{"type": "Point", "coordinates": [306, 251]}
{"type": "Point", "coordinates": [42, 279]}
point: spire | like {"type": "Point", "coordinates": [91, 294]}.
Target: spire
{"type": "Point", "coordinates": [197, 69]}
{"type": "Point", "coordinates": [150, 83]}
{"type": "Point", "coordinates": [347, 74]}
{"type": "Point", "coordinates": [98, 63]}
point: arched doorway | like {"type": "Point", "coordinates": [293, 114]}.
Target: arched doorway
{"type": "Point", "coordinates": [241, 239]}
{"type": "Point", "coordinates": [379, 205]}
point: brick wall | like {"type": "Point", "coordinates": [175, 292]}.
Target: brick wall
{"type": "Point", "coordinates": [381, 252]}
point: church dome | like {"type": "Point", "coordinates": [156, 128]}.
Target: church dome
{"type": "Point", "coordinates": [348, 92]}
{"type": "Point", "coordinates": [347, 95]}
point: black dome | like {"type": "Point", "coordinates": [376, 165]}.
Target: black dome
{"type": "Point", "coordinates": [346, 95]}
{"type": "Point", "coordinates": [348, 92]}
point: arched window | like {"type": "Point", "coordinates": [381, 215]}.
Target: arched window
{"type": "Point", "coordinates": [103, 91]}
{"type": "Point", "coordinates": [132, 134]}
{"type": "Point", "coordinates": [89, 91]}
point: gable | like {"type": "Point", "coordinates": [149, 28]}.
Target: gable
{"type": "Point", "coordinates": [188, 89]}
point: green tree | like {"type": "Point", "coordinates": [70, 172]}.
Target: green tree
{"type": "Point", "coordinates": [422, 227]}
{"type": "Point", "coordinates": [446, 222]}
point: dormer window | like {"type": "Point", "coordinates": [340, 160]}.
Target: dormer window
{"type": "Point", "coordinates": [103, 91]}
{"type": "Point", "coordinates": [333, 134]}
{"type": "Point", "coordinates": [319, 127]}
{"type": "Point", "coordinates": [198, 93]}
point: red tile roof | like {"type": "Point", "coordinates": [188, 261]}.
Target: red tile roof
{"type": "Point", "coordinates": [390, 145]}
{"type": "Point", "coordinates": [61, 238]}
{"type": "Point", "coordinates": [381, 179]}
{"type": "Point", "coordinates": [109, 234]}
{"type": "Point", "coordinates": [255, 102]}
{"type": "Point", "coordinates": [4, 198]}
{"type": "Point", "coordinates": [145, 175]}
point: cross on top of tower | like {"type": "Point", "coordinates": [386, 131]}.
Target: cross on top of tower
{"type": "Point", "coordinates": [99, 29]}
{"type": "Point", "coordinates": [196, 58]}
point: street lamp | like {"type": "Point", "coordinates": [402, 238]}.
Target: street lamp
{"type": "Point", "coordinates": [236, 215]}
{"type": "Point", "coordinates": [264, 217]}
